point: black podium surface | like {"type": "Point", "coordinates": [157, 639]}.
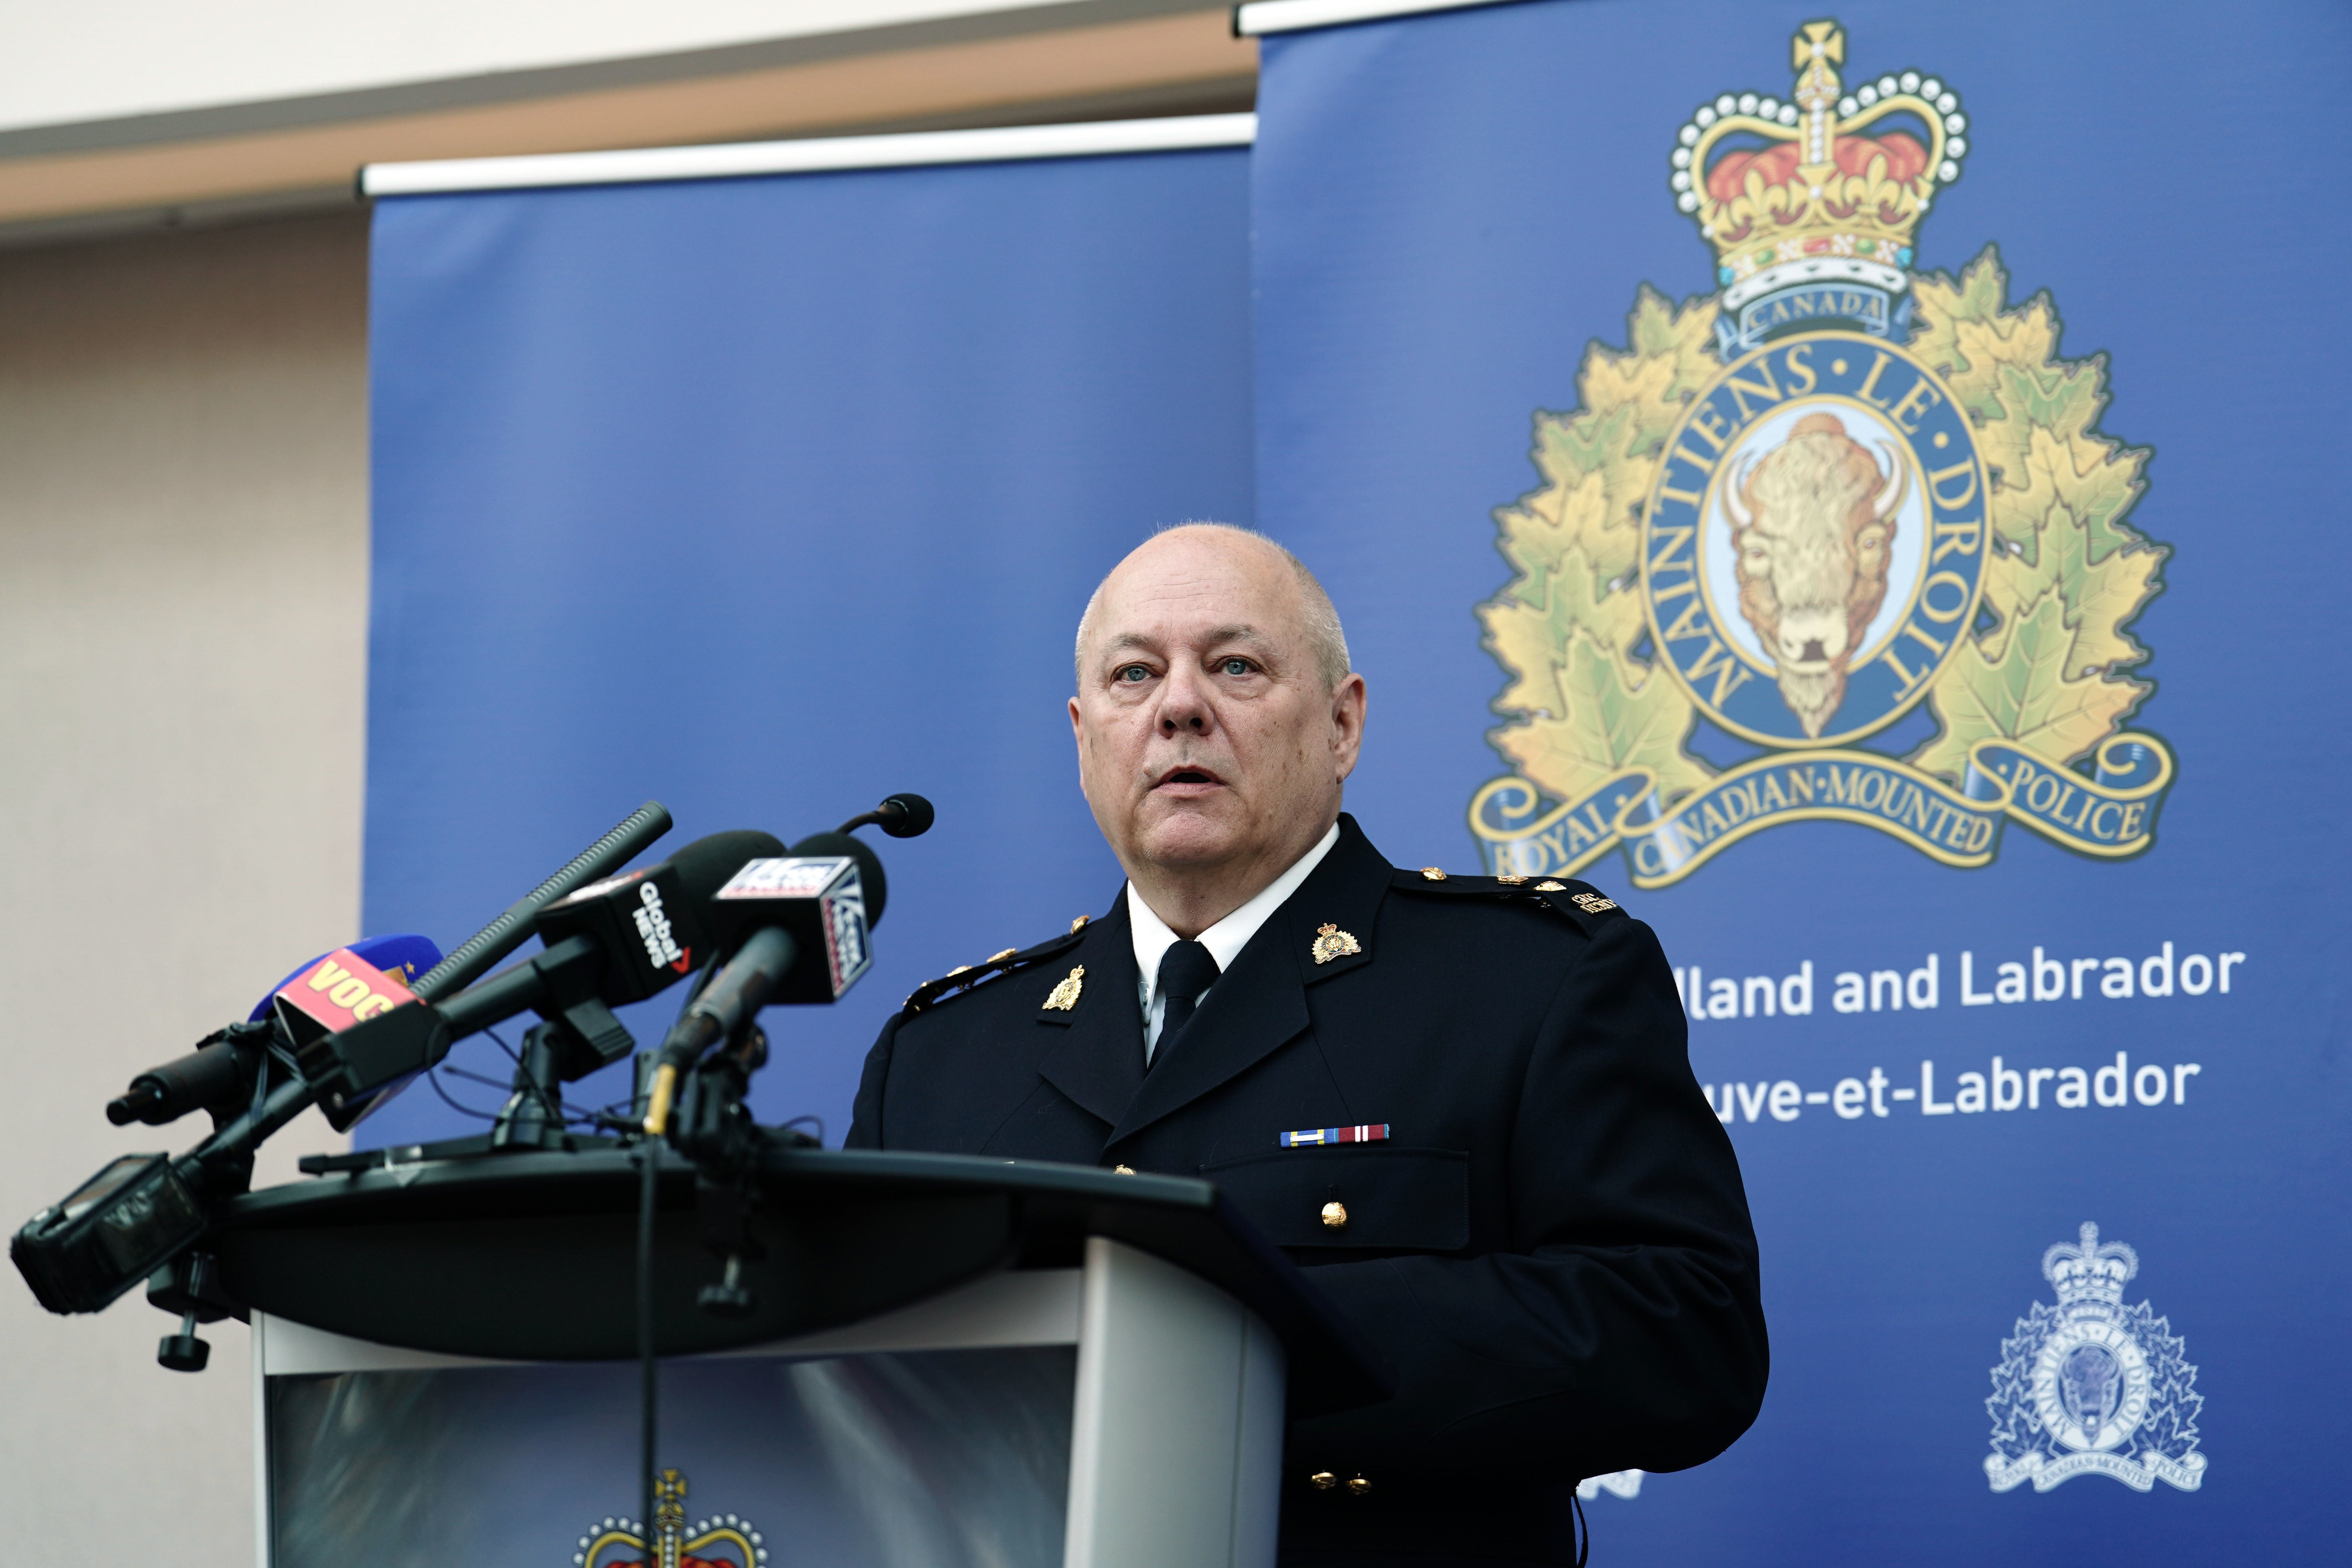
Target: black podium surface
{"type": "Point", "coordinates": [532, 1256]}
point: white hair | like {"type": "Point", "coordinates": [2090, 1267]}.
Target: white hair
{"type": "Point", "coordinates": [1320, 616]}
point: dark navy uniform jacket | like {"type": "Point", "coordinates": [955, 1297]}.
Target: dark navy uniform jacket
{"type": "Point", "coordinates": [1552, 1250]}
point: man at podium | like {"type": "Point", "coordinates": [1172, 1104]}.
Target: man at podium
{"type": "Point", "coordinates": [1462, 1103]}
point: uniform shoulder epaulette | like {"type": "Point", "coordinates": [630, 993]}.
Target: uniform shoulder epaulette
{"type": "Point", "coordinates": [966, 976]}
{"type": "Point", "coordinates": [1581, 902]}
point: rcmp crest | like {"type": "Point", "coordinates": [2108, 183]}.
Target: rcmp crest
{"type": "Point", "coordinates": [723, 1541]}
{"type": "Point", "coordinates": [2091, 1386]}
{"type": "Point", "coordinates": [1840, 540]}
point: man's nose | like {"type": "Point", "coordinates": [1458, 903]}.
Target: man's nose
{"type": "Point", "coordinates": [1184, 704]}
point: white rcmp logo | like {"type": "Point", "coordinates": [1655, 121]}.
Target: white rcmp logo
{"type": "Point", "coordinates": [2092, 1386]}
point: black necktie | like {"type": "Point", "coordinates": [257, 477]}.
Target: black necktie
{"type": "Point", "coordinates": [1186, 970]}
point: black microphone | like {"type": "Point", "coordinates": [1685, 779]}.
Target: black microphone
{"type": "Point", "coordinates": [612, 942]}
{"type": "Point", "coordinates": [144, 1210]}
{"type": "Point", "coordinates": [473, 957]}
{"type": "Point", "coordinates": [778, 917]}
{"type": "Point", "coordinates": [653, 923]}
{"type": "Point", "coordinates": [902, 816]}
{"type": "Point", "coordinates": [216, 1073]}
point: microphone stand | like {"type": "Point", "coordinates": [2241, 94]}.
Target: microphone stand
{"type": "Point", "coordinates": [148, 1215]}
{"type": "Point", "coordinates": [713, 1127]}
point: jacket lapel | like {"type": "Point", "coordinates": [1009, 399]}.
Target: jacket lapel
{"type": "Point", "coordinates": [1098, 1060]}
{"type": "Point", "coordinates": [1260, 1004]}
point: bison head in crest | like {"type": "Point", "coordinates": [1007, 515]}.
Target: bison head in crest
{"type": "Point", "coordinates": [1812, 520]}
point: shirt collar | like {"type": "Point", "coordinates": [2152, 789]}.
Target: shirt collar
{"type": "Point", "coordinates": [1226, 939]}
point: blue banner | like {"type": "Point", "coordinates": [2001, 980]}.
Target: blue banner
{"type": "Point", "coordinates": [1860, 486]}
{"type": "Point", "coordinates": [766, 497]}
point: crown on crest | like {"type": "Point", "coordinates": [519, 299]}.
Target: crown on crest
{"type": "Point", "coordinates": [2091, 1272]}
{"type": "Point", "coordinates": [1812, 203]}
{"type": "Point", "coordinates": [723, 1540]}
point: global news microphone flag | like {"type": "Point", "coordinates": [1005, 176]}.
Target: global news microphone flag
{"type": "Point", "coordinates": [767, 497]}
{"type": "Point", "coordinates": [1863, 488]}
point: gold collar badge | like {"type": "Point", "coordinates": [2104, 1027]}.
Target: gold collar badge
{"type": "Point", "coordinates": [1066, 995]}
{"type": "Point", "coordinates": [1331, 942]}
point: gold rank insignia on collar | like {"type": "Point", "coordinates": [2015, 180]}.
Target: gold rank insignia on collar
{"type": "Point", "coordinates": [1065, 995]}
{"type": "Point", "coordinates": [1591, 903]}
{"type": "Point", "coordinates": [1432, 873]}
{"type": "Point", "coordinates": [1331, 942]}
{"type": "Point", "coordinates": [1509, 879]}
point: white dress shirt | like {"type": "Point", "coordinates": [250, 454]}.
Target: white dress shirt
{"type": "Point", "coordinates": [1225, 940]}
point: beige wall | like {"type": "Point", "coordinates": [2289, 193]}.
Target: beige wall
{"type": "Point", "coordinates": [183, 684]}
{"type": "Point", "coordinates": [209, 130]}
{"type": "Point", "coordinates": [65, 64]}
{"type": "Point", "coordinates": [183, 640]}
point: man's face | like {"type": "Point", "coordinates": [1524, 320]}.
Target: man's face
{"type": "Point", "coordinates": [1205, 736]}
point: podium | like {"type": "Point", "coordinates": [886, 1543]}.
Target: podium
{"type": "Point", "coordinates": [949, 1361]}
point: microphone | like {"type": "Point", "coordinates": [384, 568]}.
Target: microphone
{"type": "Point", "coordinates": [901, 815]}
{"type": "Point", "coordinates": [479, 952]}
{"type": "Point", "coordinates": [825, 897]}
{"type": "Point", "coordinates": [608, 944]}
{"type": "Point", "coordinates": [219, 1072]}
{"type": "Point", "coordinates": [142, 1211]}
{"type": "Point", "coordinates": [474, 955]}
{"type": "Point", "coordinates": [653, 922]}
{"type": "Point", "coordinates": [347, 987]}
{"type": "Point", "coordinates": [400, 958]}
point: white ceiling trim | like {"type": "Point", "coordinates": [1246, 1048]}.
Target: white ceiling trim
{"type": "Point", "coordinates": [810, 155]}
{"type": "Point", "coordinates": [1263, 16]}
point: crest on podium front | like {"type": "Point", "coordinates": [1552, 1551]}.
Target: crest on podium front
{"type": "Point", "coordinates": [721, 1541]}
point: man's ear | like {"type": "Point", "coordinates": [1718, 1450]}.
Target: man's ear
{"type": "Point", "coordinates": [1347, 723]}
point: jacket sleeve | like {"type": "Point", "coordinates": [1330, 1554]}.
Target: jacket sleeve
{"type": "Point", "coordinates": [865, 1113]}
{"type": "Point", "coordinates": [1623, 1327]}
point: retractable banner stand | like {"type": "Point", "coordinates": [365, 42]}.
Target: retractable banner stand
{"type": "Point", "coordinates": [1863, 489]}
{"type": "Point", "coordinates": [767, 497]}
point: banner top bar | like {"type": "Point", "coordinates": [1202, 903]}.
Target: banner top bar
{"type": "Point", "coordinates": [810, 155]}
{"type": "Point", "coordinates": [1262, 16]}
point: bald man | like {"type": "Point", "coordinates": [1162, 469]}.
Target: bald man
{"type": "Point", "coordinates": [1545, 1235]}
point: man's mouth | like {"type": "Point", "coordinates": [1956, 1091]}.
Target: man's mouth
{"type": "Point", "coordinates": [1187, 778]}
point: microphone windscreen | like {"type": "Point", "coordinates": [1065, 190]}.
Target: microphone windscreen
{"type": "Point", "coordinates": [403, 957]}
{"type": "Point", "coordinates": [877, 888]}
{"type": "Point", "coordinates": [912, 819]}
{"type": "Point", "coordinates": [654, 924]}
{"type": "Point", "coordinates": [704, 866]}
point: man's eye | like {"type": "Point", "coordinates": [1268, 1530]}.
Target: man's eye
{"type": "Point", "coordinates": [1132, 673]}
{"type": "Point", "coordinates": [1237, 667]}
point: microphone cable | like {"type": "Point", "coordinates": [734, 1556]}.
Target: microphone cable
{"type": "Point", "coordinates": [648, 1364]}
